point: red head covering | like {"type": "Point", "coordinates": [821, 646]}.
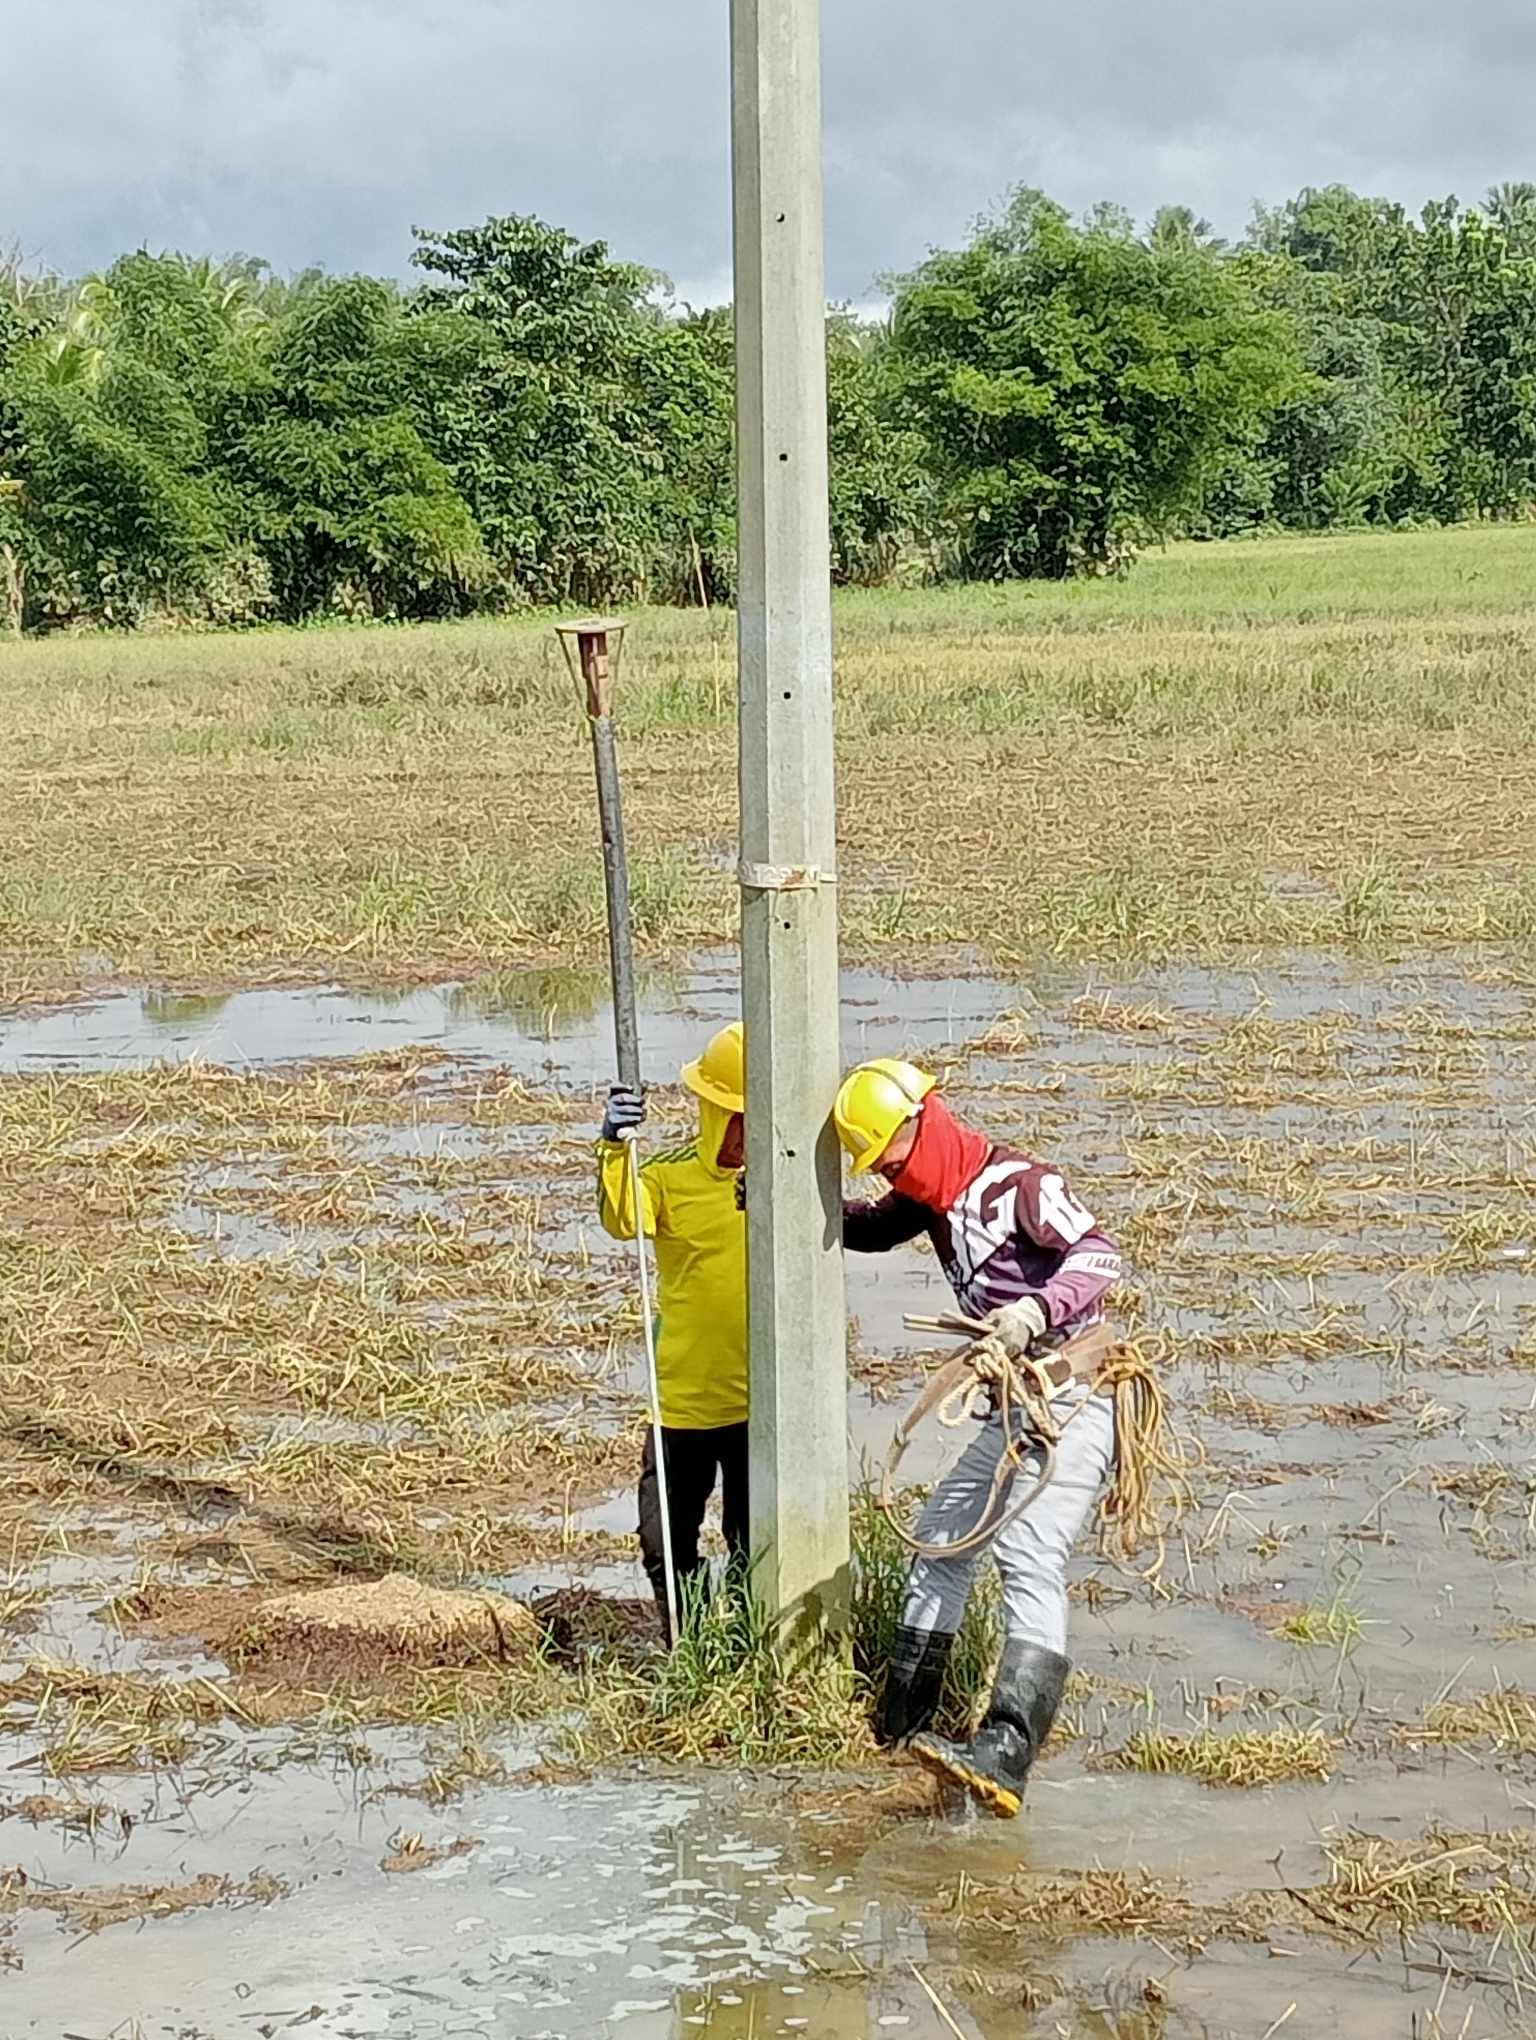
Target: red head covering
{"type": "Point", "coordinates": [944, 1157]}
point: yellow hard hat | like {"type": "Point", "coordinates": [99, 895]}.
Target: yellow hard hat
{"type": "Point", "coordinates": [720, 1073]}
{"type": "Point", "coordinates": [875, 1101]}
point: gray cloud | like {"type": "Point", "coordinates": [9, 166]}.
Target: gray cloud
{"type": "Point", "coordinates": [322, 129]}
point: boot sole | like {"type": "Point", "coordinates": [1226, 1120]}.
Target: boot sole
{"type": "Point", "coordinates": [998, 1799]}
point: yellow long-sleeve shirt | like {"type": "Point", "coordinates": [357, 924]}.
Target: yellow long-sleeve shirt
{"type": "Point", "coordinates": [689, 1209]}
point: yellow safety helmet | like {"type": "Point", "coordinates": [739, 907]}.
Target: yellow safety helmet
{"type": "Point", "coordinates": [873, 1104]}
{"type": "Point", "coordinates": [720, 1073]}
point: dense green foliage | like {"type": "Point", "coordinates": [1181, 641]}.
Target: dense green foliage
{"type": "Point", "coordinates": [1071, 386]}
{"type": "Point", "coordinates": [1420, 335]}
{"type": "Point", "coordinates": [535, 421]}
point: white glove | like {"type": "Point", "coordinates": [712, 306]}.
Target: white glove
{"type": "Point", "coordinates": [1017, 1325]}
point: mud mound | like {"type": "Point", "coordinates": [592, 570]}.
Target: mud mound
{"type": "Point", "coordinates": [578, 1619]}
{"type": "Point", "coordinates": [389, 1621]}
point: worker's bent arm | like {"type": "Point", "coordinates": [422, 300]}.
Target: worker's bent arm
{"type": "Point", "coordinates": [1085, 1276]}
{"type": "Point", "coordinates": [876, 1228]}
{"type": "Point", "coordinates": [616, 1192]}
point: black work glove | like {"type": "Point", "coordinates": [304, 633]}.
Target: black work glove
{"type": "Point", "coordinates": [625, 1113]}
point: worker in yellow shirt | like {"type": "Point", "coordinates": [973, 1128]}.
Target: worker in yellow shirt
{"type": "Point", "coordinates": [692, 1211]}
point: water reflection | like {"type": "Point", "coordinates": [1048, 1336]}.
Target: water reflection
{"type": "Point", "coordinates": [175, 1009]}
{"type": "Point", "coordinates": [545, 1005]}
{"type": "Point", "coordinates": [552, 1025]}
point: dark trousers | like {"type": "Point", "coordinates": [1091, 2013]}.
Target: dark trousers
{"type": "Point", "coordinates": [694, 1458]}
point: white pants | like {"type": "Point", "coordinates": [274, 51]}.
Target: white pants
{"type": "Point", "coordinates": [1032, 1552]}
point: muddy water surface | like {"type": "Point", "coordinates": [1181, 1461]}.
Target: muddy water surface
{"type": "Point", "coordinates": [1323, 1176]}
{"type": "Point", "coordinates": [653, 1909]}
{"type": "Point", "coordinates": [554, 1025]}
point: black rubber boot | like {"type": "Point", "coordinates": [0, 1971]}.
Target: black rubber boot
{"type": "Point", "coordinates": [994, 1764]}
{"type": "Point", "coordinates": [914, 1681]}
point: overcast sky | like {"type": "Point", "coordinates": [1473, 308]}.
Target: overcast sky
{"type": "Point", "coordinates": [321, 130]}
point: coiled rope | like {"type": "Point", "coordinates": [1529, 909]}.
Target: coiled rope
{"type": "Point", "coordinates": [1151, 1489]}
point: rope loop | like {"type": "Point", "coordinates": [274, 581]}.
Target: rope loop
{"type": "Point", "coordinates": [1152, 1488]}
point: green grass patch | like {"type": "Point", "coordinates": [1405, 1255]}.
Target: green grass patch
{"type": "Point", "coordinates": [728, 1692]}
{"type": "Point", "coordinates": [1335, 1625]}
{"type": "Point", "coordinates": [880, 1567]}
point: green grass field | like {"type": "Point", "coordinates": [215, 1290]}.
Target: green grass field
{"type": "Point", "coordinates": [1237, 747]}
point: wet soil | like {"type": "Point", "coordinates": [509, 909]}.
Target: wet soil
{"type": "Point", "coordinates": [344, 1311]}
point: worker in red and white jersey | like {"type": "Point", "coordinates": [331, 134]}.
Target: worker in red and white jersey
{"type": "Point", "coordinates": [1022, 1254]}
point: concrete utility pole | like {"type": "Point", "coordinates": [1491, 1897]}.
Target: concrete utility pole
{"type": "Point", "coordinates": [788, 825]}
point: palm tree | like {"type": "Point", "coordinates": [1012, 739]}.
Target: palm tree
{"type": "Point", "coordinates": [1512, 206]}
{"type": "Point", "coordinates": [1180, 228]}
{"type": "Point", "coordinates": [74, 350]}
{"type": "Point", "coordinates": [228, 286]}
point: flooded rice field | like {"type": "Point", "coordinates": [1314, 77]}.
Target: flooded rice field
{"type": "Point", "coordinates": [305, 1288]}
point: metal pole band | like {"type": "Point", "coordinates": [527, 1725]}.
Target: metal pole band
{"type": "Point", "coordinates": [783, 877]}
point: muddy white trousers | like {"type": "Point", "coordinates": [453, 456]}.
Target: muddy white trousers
{"type": "Point", "coordinates": [1032, 1553]}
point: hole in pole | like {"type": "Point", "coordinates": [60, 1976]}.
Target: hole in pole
{"type": "Point", "coordinates": [783, 456]}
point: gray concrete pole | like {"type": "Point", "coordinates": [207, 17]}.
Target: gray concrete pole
{"type": "Point", "coordinates": [799, 1455]}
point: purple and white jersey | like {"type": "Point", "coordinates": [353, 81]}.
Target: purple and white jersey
{"type": "Point", "coordinates": [1014, 1230]}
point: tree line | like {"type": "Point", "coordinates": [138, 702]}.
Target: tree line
{"type": "Point", "coordinates": [534, 420]}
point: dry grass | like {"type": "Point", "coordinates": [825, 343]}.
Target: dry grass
{"type": "Point", "coordinates": [1480, 1884]}
{"type": "Point", "coordinates": [19, 1606]}
{"type": "Point", "coordinates": [394, 1411]}
{"type": "Point", "coordinates": [869, 1808]}
{"type": "Point", "coordinates": [453, 1769]}
{"type": "Point", "coordinates": [1239, 1758]}
{"type": "Point", "coordinates": [1123, 1903]}
{"type": "Point", "coordinates": [410, 1851]}
{"type": "Point", "coordinates": [1489, 1487]}
{"type": "Point", "coordinates": [1503, 1720]}
{"type": "Point", "coordinates": [93, 1818]}
{"type": "Point", "coordinates": [93, 1721]}
{"type": "Point", "coordinates": [419, 800]}
{"type": "Point", "coordinates": [1377, 1891]}
{"type": "Point", "coordinates": [93, 1910]}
